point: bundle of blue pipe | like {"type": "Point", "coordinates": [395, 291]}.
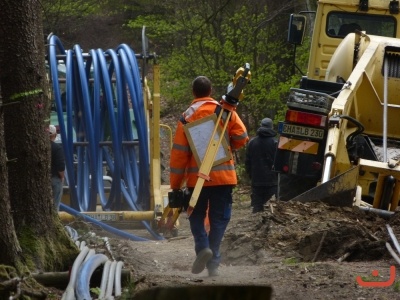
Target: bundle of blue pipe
{"type": "Point", "coordinates": [102, 88]}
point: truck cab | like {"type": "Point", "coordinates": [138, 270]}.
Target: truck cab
{"type": "Point", "coordinates": [336, 18]}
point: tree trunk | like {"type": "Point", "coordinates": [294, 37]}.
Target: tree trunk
{"type": "Point", "coordinates": [8, 238]}
{"type": "Point", "coordinates": [43, 240]}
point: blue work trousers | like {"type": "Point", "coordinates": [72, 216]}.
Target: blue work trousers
{"type": "Point", "coordinates": [57, 187]}
{"type": "Point", "coordinates": [218, 199]}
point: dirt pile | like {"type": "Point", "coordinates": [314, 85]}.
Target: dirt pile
{"type": "Point", "coordinates": [307, 232]}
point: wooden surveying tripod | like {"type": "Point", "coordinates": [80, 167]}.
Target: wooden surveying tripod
{"type": "Point", "coordinates": [228, 103]}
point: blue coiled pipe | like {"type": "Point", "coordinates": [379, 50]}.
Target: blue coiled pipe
{"type": "Point", "coordinates": [102, 87]}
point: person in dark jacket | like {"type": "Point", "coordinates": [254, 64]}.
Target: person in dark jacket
{"type": "Point", "coordinates": [260, 153]}
{"type": "Point", "coordinates": [57, 167]}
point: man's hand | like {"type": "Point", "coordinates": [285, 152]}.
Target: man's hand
{"type": "Point", "coordinates": [175, 199]}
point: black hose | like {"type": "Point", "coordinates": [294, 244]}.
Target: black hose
{"type": "Point", "coordinates": [360, 129]}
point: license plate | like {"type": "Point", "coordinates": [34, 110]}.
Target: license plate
{"type": "Point", "coordinates": [309, 132]}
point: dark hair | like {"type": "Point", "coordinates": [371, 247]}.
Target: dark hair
{"type": "Point", "coordinates": [201, 87]}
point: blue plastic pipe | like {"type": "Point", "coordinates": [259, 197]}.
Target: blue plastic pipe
{"type": "Point", "coordinates": [102, 89]}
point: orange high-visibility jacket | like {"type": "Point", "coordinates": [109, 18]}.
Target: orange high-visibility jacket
{"type": "Point", "coordinates": [183, 166]}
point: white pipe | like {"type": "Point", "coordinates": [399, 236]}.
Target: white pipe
{"type": "Point", "coordinates": [79, 280]}
{"type": "Point", "coordinates": [91, 253]}
{"type": "Point", "coordinates": [110, 282]}
{"type": "Point", "coordinates": [104, 278]}
{"type": "Point", "coordinates": [82, 289]}
{"type": "Point", "coordinates": [118, 271]}
{"type": "Point", "coordinates": [72, 232]}
{"type": "Point", "coordinates": [83, 244]}
{"type": "Point", "coordinates": [393, 237]}
{"type": "Point", "coordinates": [69, 293]}
{"type": "Point", "coordinates": [391, 251]}
{"type": "Point", "coordinates": [385, 108]}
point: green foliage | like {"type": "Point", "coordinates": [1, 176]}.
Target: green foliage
{"type": "Point", "coordinates": [76, 8]}
{"type": "Point", "coordinates": [95, 290]}
{"type": "Point", "coordinates": [161, 30]}
{"type": "Point", "coordinates": [212, 38]}
{"type": "Point", "coordinates": [368, 278]}
{"type": "Point", "coordinates": [396, 286]}
{"type": "Point", "coordinates": [290, 261]}
{"type": "Point", "coordinates": [52, 296]}
{"type": "Point", "coordinates": [209, 38]}
{"type": "Point", "coordinates": [243, 178]}
{"type": "Point", "coordinates": [129, 288]}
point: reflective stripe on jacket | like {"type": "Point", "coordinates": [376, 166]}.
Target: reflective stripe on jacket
{"type": "Point", "coordinates": [183, 166]}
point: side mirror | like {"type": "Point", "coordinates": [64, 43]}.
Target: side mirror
{"type": "Point", "coordinates": [297, 25]}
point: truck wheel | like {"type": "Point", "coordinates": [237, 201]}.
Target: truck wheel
{"type": "Point", "coordinates": [291, 186]}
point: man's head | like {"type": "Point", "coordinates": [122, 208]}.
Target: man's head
{"type": "Point", "coordinates": [267, 122]}
{"type": "Point", "coordinates": [52, 131]}
{"type": "Point", "coordinates": [201, 87]}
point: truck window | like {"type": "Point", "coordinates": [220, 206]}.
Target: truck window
{"type": "Point", "coordinates": [339, 24]}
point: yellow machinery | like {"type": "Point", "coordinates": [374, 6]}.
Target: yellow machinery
{"type": "Point", "coordinates": [342, 121]}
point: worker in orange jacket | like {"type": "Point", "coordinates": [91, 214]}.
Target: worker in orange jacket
{"type": "Point", "coordinates": [216, 194]}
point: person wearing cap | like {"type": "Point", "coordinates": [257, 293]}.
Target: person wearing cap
{"type": "Point", "coordinates": [57, 167]}
{"type": "Point", "coordinates": [260, 153]}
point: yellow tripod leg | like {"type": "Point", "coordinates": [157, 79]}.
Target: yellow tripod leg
{"type": "Point", "coordinates": [208, 161]}
{"type": "Point", "coordinates": [166, 213]}
{"type": "Point", "coordinates": [171, 221]}
{"type": "Point", "coordinates": [169, 218]}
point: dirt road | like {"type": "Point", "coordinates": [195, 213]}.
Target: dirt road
{"type": "Point", "coordinates": [291, 247]}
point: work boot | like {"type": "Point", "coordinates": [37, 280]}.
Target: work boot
{"type": "Point", "coordinates": [213, 272]}
{"type": "Point", "coordinates": [201, 260]}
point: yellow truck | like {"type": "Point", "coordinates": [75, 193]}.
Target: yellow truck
{"type": "Point", "coordinates": [342, 120]}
